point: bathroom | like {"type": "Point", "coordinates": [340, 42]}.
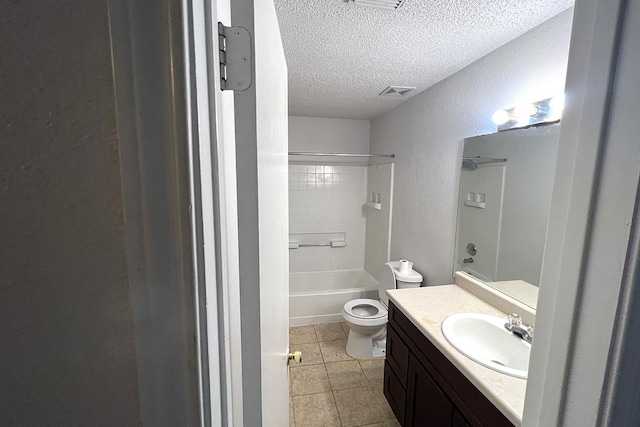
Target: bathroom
{"type": "Point", "coordinates": [425, 135]}
{"type": "Point", "coordinates": [128, 298]}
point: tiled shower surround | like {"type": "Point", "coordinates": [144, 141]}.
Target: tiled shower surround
{"type": "Point", "coordinates": [327, 198]}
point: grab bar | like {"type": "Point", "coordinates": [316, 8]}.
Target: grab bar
{"type": "Point", "coordinates": [332, 243]}
{"type": "Point", "coordinates": [333, 239]}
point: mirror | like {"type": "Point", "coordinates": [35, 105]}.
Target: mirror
{"type": "Point", "coordinates": [506, 183]}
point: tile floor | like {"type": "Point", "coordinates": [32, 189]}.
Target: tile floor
{"type": "Point", "coordinates": [329, 388]}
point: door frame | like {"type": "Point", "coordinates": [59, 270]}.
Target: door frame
{"type": "Point", "coordinates": [177, 154]}
{"type": "Point", "coordinates": [588, 292]}
{"type": "Point", "coordinates": [177, 137]}
{"type": "Point", "coordinates": [213, 142]}
{"type": "Point", "coordinates": [162, 211]}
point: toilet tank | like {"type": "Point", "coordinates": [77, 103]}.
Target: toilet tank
{"type": "Point", "coordinates": [391, 278]}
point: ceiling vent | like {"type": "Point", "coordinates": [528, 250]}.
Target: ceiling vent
{"type": "Point", "coordinates": [381, 4]}
{"type": "Point", "coordinates": [397, 91]}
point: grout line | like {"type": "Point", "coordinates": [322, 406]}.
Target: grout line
{"type": "Point", "coordinates": [293, 405]}
{"type": "Point", "coordinates": [335, 403]}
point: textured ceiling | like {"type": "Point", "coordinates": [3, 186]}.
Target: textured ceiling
{"type": "Point", "coordinates": [341, 56]}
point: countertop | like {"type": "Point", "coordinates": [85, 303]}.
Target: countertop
{"type": "Point", "coordinates": [427, 307]}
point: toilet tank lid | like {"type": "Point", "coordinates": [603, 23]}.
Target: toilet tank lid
{"type": "Point", "coordinates": [410, 277]}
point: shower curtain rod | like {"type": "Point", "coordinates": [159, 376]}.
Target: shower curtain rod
{"type": "Point", "coordinates": [300, 153]}
{"type": "Point", "coordinates": [485, 159]}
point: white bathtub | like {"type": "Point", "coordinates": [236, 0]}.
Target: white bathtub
{"type": "Point", "coordinates": [318, 296]}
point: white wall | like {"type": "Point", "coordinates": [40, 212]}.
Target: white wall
{"type": "Point", "coordinates": [317, 134]}
{"type": "Point", "coordinates": [67, 330]}
{"type": "Point", "coordinates": [426, 133]}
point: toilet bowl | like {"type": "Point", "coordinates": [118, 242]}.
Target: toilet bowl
{"type": "Point", "coordinates": [367, 318]}
{"type": "Point", "coordinates": [367, 321]}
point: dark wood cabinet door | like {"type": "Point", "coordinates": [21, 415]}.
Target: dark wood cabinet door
{"type": "Point", "coordinates": [426, 405]}
{"type": "Point", "coordinates": [458, 420]}
{"type": "Point", "coordinates": [394, 393]}
{"type": "Point", "coordinates": [397, 355]}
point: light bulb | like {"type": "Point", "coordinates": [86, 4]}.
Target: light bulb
{"type": "Point", "coordinates": [524, 111]}
{"type": "Point", "coordinates": [500, 117]}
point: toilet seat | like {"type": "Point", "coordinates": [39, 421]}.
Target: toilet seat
{"type": "Point", "coordinates": [366, 311]}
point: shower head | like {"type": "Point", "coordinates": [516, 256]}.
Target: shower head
{"type": "Point", "coordinates": [469, 165]}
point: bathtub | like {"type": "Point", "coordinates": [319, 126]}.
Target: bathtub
{"type": "Point", "coordinates": [318, 296]}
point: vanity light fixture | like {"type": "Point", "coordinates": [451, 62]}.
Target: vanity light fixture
{"type": "Point", "coordinates": [381, 4]}
{"type": "Point", "coordinates": [527, 114]}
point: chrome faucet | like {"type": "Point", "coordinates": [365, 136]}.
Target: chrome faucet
{"type": "Point", "coordinates": [515, 326]}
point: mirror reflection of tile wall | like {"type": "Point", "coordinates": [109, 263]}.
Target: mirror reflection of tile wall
{"type": "Point", "coordinates": [504, 208]}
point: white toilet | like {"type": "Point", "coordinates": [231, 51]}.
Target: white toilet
{"type": "Point", "coordinates": [367, 318]}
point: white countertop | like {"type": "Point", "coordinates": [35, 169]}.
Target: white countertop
{"type": "Point", "coordinates": [427, 307]}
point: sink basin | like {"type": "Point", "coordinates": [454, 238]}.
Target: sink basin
{"type": "Point", "coordinates": [484, 339]}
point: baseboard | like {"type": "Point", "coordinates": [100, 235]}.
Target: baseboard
{"type": "Point", "coordinates": [315, 320]}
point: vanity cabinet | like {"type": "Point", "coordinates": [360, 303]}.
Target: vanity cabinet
{"type": "Point", "coordinates": [424, 388]}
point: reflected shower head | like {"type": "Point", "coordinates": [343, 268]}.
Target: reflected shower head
{"type": "Point", "coordinates": [469, 165]}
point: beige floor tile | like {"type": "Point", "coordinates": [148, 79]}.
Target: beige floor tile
{"type": "Point", "coordinates": [311, 354]}
{"type": "Point", "coordinates": [376, 388]}
{"type": "Point", "coordinates": [308, 380]}
{"type": "Point", "coordinates": [345, 328]}
{"type": "Point", "coordinates": [373, 368]}
{"type": "Point", "coordinates": [330, 332]}
{"type": "Point", "coordinates": [316, 410]}
{"type": "Point", "coordinates": [358, 406]}
{"type": "Point", "coordinates": [302, 334]}
{"type": "Point", "coordinates": [334, 351]}
{"type": "Point", "coordinates": [377, 385]}
{"type": "Point", "coordinates": [345, 374]}
{"type": "Point", "coordinates": [357, 395]}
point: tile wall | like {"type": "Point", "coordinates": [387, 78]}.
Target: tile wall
{"type": "Point", "coordinates": [327, 198]}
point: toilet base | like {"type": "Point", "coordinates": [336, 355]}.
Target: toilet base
{"type": "Point", "coordinates": [361, 346]}
{"type": "Point", "coordinates": [379, 348]}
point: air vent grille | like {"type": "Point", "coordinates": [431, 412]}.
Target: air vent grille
{"type": "Point", "coordinates": [397, 91]}
{"type": "Point", "coordinates": [382, 4]}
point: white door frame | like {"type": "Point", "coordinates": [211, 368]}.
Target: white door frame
{"type": "Point", "coordinates": [589, 270]}
{"type": "Point", "coordinates": [199, 123]}
{"type": "Point", "coordinates": [162, 211]}
{"type": "Point", "coordinates": [213, 138]}
{"type": "Point", "coordinates": [177, 151]}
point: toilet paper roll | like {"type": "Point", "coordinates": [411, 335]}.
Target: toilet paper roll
{"type": "Point", "coordinates": [405, 266]}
